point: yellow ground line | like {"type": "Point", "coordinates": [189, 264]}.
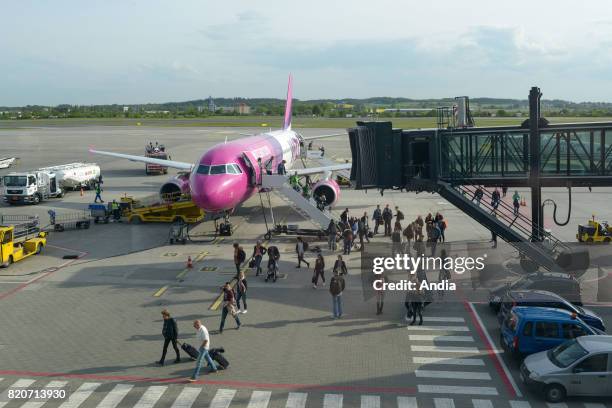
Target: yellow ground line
{"type": "Point", "coordinates": [198, 258]}
{"type": "Point", "coordinates": [160, 291]}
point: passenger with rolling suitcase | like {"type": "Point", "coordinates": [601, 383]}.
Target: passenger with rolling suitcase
{"type": "Point", "coordinates": [203, 353]}
{"type": "Point", "coordinates": [217, 355]}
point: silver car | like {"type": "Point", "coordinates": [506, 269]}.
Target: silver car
{"type": "Point", "coordinates": [581, 366]}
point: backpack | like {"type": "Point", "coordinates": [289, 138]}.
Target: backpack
{"type": "Point", "coordinates": [241, 255]}
{"type": "Point", "coordinates": [400, 215]}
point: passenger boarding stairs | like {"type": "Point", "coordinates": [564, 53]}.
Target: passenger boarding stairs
{"type": "Point", "coordinates": [551, 254]}
{"type": "Point", "coordinates": [306, 207]}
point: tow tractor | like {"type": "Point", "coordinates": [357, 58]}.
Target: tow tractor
{"type": "Point", "coordinates": [20, 237]}
{"type": "Point", "coordinates": [169, 209]}
{"type": "Point", "coordinates": [595, 231]}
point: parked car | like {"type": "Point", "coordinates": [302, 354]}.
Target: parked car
{"type": "Point", "coordinates": [530, 329]}
{"type": "Point", "coordinates": [582, 366]}
{"type": "Point", "coordinates": [544, 298]}
{"type": "Point", "coordinates": [562, 284]}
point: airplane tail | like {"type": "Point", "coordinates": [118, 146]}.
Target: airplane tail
{"type": "Point", "coordinates": [287, 122]}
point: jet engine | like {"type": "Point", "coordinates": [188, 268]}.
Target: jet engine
{"type": "Point", "coordinates": [330, 189]}
{"type": "Point", "coordinates": [175, 186]}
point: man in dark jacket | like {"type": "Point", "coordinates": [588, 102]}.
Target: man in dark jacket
{"type": "Point", "coordinates": [387, 216]}
{"type": "Point", "coordinates": [229, 306]}
{"type": "Point", "coordinates": [281, 169]}
{"type": "Point", "coordinates": [258, 252]}
{"type": "Point", "coordinates": [377, 218]}
{"type": "Point", "coordinates": [170, 333]}
{"type": "Point", "coordinates": [336, 287]}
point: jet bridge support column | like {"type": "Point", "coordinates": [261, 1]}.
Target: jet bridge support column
{"type": "Point", "coordinates": [537, 219]}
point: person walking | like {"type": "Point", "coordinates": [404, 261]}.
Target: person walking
{"type": "Point", "coordinates": [301, 247]}
{"type": "Point", "coordinates": [418, 228]}
{"type": "Point", "coordinates": [344, 216]}
{"type": "Point", "coordinates": [273, 258]}
{"type": "Point", "coordinates": [332, 232]}
{"type": "Point", "coordinates": [170, 333]}
{"type": "Point", "coordinates": [380, 295]}
{"type": "Point", "coordinates": [377, 218]}
{"type": "Point", "coordinates": [478, 194]}
{"type": "Point", "coordinates": [229, 307]}
{"type": "Point", "coordinates": [281, 170]}
{"type": "Point", "coordinates": [493, 233]}
{"type": "Point", "coordinates": [399, 216]}
{"type": "Point", "coordinates": [504, 191]}
{"type": "Point", "coordinates": [115, 210]}
{"type": "Point", "coordinates": [98, 193]}
{"type": "Point", "coordinates": [336, 287]}
{"type": "Point", "coordinates": [239, 257]}
{"type": "Point", "coordinates": [387, 216]}
{"type": "Point", "coordinates": [396, 239]}
{"type": "Point", "coordinates": [204, 342]}
{"type": "Point", "coordinates": [441, 222]}
{"type": "Point", "coordinates": [347, 236]}
{"type": "Point", "coordinates": [495, 198]}
{"type": "Point", "coordinates": [416, 306]}
{"type": "Point", "coordinates": [241, 293]}
{"type": "Point", "coordinates": [366, 226]}
{"type": "Point", "coordinates": [258, 252]}
{"type": "Point", "coordinates": [319, 270]}
{"type": "Point", "coordinates": [340, 266]}
{"type": "Point", "coordinates": [516, 202]}
{"type": "Point", "coordinates": [408, 234]}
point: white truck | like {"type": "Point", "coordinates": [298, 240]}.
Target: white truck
{"type": "Point", "coordinates": [48, 182]}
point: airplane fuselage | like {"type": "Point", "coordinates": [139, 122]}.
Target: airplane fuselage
{"type": "Point", "coordinates": [223, 177]}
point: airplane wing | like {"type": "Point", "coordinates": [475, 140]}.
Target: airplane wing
{"type": "Point", "coordinates": [165, 163]}
{"type": "Point", "coordinates": [322, 136]}
{"type": "Point", "coordinates": [322, 169]}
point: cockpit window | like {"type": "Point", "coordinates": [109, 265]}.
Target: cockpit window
{"type": "Point", "coordinates": [203, 169]}
{"type": "Point", "coordinates": [220, 169]}
{"type": "Point", "coordinates": [233, 169]}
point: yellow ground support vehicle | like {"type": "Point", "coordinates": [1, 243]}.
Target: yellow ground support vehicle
{"type": "Point", "coordinates": [20, 240]}
{"type": "Point", "coordinates": [595, 231]}
{"type": "Point", "coordinates": [165, 209]}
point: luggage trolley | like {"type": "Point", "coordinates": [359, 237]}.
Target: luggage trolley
{"type": "Point", "coordinates": [100, 213]}
{"type": "Point", "coordinates": [76, 220]}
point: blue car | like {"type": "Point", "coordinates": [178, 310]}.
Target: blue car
{"type": "Point", "coordinates": [543, 298]}
{"type": "Point", "coordinates": [529, 329]}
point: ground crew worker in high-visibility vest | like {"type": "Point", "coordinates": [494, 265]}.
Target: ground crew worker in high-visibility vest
{"type": "Point", "coordinates": [294, 181]}
{"type": "Point", "coordinates": [115, 210]}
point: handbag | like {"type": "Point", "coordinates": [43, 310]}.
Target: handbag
{"type": "Point", "coordinates": [252, 263]}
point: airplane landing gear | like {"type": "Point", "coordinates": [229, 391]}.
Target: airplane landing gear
{"type": "Point", "coordinates": [225, 228]}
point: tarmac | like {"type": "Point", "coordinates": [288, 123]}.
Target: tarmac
{"type": "Point", "coordinates": [96, 319]}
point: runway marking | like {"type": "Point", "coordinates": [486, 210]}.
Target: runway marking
{"type": "Point", "coordinates": [444, 403]}
{"type": "Point", "coordinates": [519, 404]}
{"type": "Point", "coordinates": [332, 401]}
{"type": "Point", "coordinates": [446, 319]}
{"type": "Point", "coordinates": [448, 361]}
{"type": "Point", "coordinates": [370, 401]}
{"type": "Point", "coordinates": [80, 395]}
{"type": "Point", "coordinates": [556, 405]}
{"type": "Point", "coordinates": [151, 396]}
{"type": "Point", "coordinates": [406, 402]}
{"type": "Point", "coordinates": [222, 398]}
{"type": "Point", "coordinates": [457, 375]}
{"type": "Point", "coordinates": [455, 389]}
{"type": "Point", "coordinates": [500, 366]}
{"type": "Point", "coordinates": [439, 328]}
{"type": "Point", "coordinates": [259, 399]}
{"type": "Point", "coordinates": [161, 291]}
{"type": "Point", "coordinates": [114, 397]}
{"type": "Point", "coordinates": [187, 397]}
{"type": "Point", "coordinates": [444, 349]}
{"type": "Point", "coordinates": [479, 403]}
{"type": "Point", "coordinates": [296, 400]}
{"type": "Point", "coordinates": [434, 337]}
{"type": "Point", "coordinates": [593, 405]}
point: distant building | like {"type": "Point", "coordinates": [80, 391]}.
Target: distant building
{"type": "Point", "coordinates": [226, 109]}
{"type": "Point", "coordinates": [243, 109]}
{"type": "Point", "coordinates": [126, 109]}
{"type": "Point", "coordinates": [211, 104]}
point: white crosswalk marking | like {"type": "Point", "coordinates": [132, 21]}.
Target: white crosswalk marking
{"type": "Point", "coordinates": [448, 361]}
{"type": "Point", "coordinates": [296, 400]}
{"type": "Point", "coordinates": [480, 403]}
{"type": "Point", "coordinates": [458, 375]}
{"type": "Point", "coordinates": [332, 401]}
{"type": "Point", "coordinates": [446, 319]}
{"type": "Point", "coordinates": [455, 389]}
{"type": "Point", "coordinates": [222, 398]}
{"type": "Point", "coordinates": [151, 396]}
{"type": "Point", "coordinates": [444, 349]}
{"type": "Point", "coordinates": [259, 399]}
{"type": "Point", "coordinates": [519, 404]}
{"type": "Point", "coordinates": [434, 337]}
{"type": "Point", "coordinates": [114, 397]}
{"type": "Point", "coordinates": [556, 405]}
{"type": "Point", "coordinates": [407, 402]}
{"type": "Point", "coordinates": [21, 383]}
{"type": "Point", "coordinates": [40, 402]}
{"type": "Point", "coordinates": [76, 398]}
{"type": "Point", "coordinates": [440, 328]}
{"type": "Point", "coordinates": [444, 403]}
{"type": "Point", "coordinates": [370, 401]}
{"type": "Point", "coordinates": [593, 405]}
{"type": "Point", "coordinates": [187, 397]}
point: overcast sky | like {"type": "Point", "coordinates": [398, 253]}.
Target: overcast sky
{"type": "Point", "coordinates": [85, 52]}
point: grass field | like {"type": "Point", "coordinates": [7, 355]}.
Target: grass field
{"type": "Point", "coordinates": [265, 122]}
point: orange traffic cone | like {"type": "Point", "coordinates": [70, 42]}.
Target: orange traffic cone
{"type": "Point", "coordinates": [189, 262]}
{"type": "Point", "coordinates": [81, 191]}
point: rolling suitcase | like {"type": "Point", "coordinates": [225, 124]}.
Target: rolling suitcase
{"type": "Point", "coordinates": [220, 360]}
{"type": "Point", "coordinates": [189, 349]}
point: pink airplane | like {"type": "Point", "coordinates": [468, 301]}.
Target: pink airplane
{"type": "Point", "coordinates": [227, 175]}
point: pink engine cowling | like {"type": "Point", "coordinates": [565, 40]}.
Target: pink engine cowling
{"type": "Point", "coordinates": [330, 189]}
{"type": "Point", "coordinates": [175, 186]}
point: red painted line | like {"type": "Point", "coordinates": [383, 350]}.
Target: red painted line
{"type": "Point", "coordinates": [227, 383]}
{"type": "Point", "coordinates": [513, 391]}
{"type": "Point", "coordinates": [44, 275]}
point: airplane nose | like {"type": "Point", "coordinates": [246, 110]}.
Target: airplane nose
{"type": "Point", "coordinates": [216, 192]}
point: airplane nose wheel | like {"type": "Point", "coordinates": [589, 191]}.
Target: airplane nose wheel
{"type": "Point", "coordinates": [225, 228]}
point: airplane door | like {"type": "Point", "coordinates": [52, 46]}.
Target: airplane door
{"type": "Point", "coordinates": [251, 168]}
